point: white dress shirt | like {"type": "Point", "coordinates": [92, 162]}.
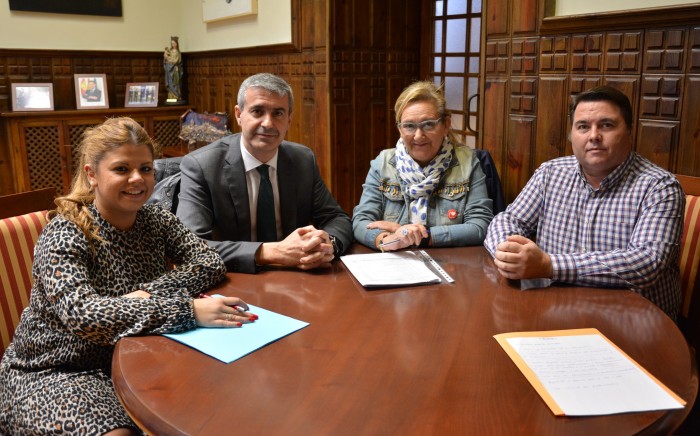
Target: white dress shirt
{"type": "Point", "coordinates": [252, 177]}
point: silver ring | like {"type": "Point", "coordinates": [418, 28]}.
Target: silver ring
{"type": "Point", "coordinates": [228, 316]}
{"type": "Point", "coordinates": [404, 232]}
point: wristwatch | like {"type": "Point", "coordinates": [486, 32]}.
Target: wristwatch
{"type": "Point", "coordinates": [337, 245]}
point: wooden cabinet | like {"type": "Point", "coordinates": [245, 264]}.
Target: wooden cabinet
{"type": "Point", "coordinates": [39, 149]}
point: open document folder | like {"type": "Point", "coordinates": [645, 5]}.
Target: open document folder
{"type": "Point", "coordinates": [580, 372]}
{"type": "Point", "coordinates": [229, 344]}
{"type": "Point", "coordinates": [400, 268]}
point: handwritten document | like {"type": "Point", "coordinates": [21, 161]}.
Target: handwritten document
{"type": "Point", "coordinates": [401, 268]}
{"type": "Point", "coordinates": [580, 372]}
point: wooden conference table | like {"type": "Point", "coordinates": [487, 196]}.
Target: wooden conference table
{"type": "Point", "coordinates": [417, 360]}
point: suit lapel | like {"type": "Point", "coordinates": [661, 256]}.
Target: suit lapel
{"type": "Point", "coordinates": [287, 186]}
{"type": "Point", "coordinates": [234, 171]}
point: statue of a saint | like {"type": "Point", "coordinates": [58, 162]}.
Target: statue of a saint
{"type": "Point", "coordinates": [172, 62]}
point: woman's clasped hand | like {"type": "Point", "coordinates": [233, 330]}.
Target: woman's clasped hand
{"type": "Point", "coordinates": [222, 312]}
{"type": "Point", "coordinates": [397, 236]}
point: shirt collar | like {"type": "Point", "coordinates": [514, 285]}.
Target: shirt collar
{"type": "Point", "coordinates": [614, 177]}
{"type": "Point", "coordinates": [250, 162]}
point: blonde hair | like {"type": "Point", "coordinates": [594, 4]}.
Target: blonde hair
{"type": "Point", "coordinates": [428, 92]}
{"type": "Point", "coordinates": [94, 145]}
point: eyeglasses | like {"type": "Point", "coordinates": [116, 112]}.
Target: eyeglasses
{"type": "Point", "coordinates": [426, 126]}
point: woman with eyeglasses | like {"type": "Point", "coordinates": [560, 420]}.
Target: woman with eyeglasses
{"type": "Point", "coordinates": [429, 190]}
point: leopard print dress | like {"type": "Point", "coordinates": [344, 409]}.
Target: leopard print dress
{"type": "Point", "coordinates": [55, 375]}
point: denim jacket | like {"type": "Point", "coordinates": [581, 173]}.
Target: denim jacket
{"type": "Point", "coordinates": [459, 211]}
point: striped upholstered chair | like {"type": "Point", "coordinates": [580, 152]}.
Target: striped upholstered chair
{"type": "Point", "coordinates": [690, 260]}
{"type": "Point", "coordinates": [18, 235]}
{"type": "Point", "coordinates": [689, 321]}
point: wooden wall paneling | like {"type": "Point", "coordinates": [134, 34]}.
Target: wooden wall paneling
{"type": "Point", "coordinates": [524, 56]}
{"type": "Point", "coordinates": [525, 16]}
{"type": "Point", "coordinates": [320, 25]}
{"type": "Point", "coordinates": [521, 131]}
{"type": "Point", "coordinates": [341, 28]}
{"type": "Point", "coordinates": [321, 122]}
{"type": "Point", "coordinates": [299, 126]}
{"type": "Point", "coordinates": [497, 57]}
{"type": "Point", "coordinates": [363, 106]}
{"type": "Point", "coordinates": [587, 54]}
{"type": "Point", "coordinates": [523, 94]}
{"type": "Point", "coordinates": [661, 96]}
{"type": "Point", "coordinates": [395, 85]}
{"type": "Point", "coordinates": [345, 159]}
{"type": "Point", "coordinates": [6, 169]}
{"type": "Point", "coordinates": [552, 110]}
{"type": "Point", "coordinates": [495, 103]}
{"type": "Point", "coordinates": [694, 51]}
{"type": "Point", "coordinates": [498, 17]}
{"type": "Point", "coordinates": [17, 169]}
{"type": "Point", "coordinates": [688, 156]}
{"type": "Point", "coordinates": [657, 140]}
{"type": "Point", "coordinates": [623, 52]}
{"type": "Point", "coordinates": [554, 54]}
{"type": "Point", "coordinates": [664, 50]}
{"type": "Point", "coordinates": [373, 52]}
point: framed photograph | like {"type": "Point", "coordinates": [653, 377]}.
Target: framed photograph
{"type": "Point", "coordinates": [91, 91]}
{"type": "Point", "coordinates": [108, 8]}
{"type": "Point", "coordinates": [215, 10]}
{"type": "Point", "coordinates": [32, 96]}
{"type": "Point", "coordinates": [143, 94]}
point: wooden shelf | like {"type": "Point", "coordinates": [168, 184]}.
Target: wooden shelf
{"type": "Point", "coordinates": [38, 148]}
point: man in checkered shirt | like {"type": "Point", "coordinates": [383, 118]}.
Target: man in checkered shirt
{"type": "Point", "coordinates": [603, 217]}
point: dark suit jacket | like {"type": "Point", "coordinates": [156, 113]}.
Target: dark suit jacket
{"type": "Point", "coordinates": [92, 95]}
{"type": "Point", "coordinates": [214, 199]}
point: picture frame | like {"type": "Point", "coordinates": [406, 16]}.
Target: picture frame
{"type": "Point", "coordinates": [32, 97]}
{"type": "Point", "coordinates": [89, 96]}
{"type": "Point", "coordinates": [141, 94]}
{"type": "Point", "coordinates": [107, 8]}
{"type": "Point", "coordinates": [215, 10]}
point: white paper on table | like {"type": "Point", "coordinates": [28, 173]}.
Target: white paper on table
{"type": "Point", "coordinates": [580, 372]}
{"type": "Point", "coordinates": [401, 268]}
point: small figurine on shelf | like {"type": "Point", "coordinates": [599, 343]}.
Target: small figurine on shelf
{"type": "Point", "coordinates": [172, 62]}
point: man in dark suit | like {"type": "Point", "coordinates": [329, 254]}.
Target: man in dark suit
{"type": "Point", "coordinates": [92, 93]}
{"type": "Point", "coordinates": [220, 187]}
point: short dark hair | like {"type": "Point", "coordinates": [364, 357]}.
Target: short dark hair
{"type": "Point", "coordinates": [604, 93]}
{"type": "Point", "coordinates": [268, 82]}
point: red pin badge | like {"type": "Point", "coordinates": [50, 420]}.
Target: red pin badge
{"type": "Point", "coordinates": [451, 214]}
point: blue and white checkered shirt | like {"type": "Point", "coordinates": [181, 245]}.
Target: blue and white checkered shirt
{"type": "Point", "coordinates": [626, 234]}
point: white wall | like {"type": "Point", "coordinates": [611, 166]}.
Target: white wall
{"type": "Point", "coordinates": [145, 25]}
{"type": "Point", "coordinates": [271, 25]}
{"type": "Point", "coordinates": [574, 7]}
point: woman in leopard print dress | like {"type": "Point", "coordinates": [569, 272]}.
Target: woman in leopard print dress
{"type": "Point", "coordinates": [100, 273]}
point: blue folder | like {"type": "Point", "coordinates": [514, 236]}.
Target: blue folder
{"type": "Point", "coordinates": [229, 344]}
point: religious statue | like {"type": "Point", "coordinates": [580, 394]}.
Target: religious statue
{"type": "Point", "coordinates": [172, 62]}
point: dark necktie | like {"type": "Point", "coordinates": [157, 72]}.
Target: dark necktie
{"type": "Point", "coordinates": [267, 226]}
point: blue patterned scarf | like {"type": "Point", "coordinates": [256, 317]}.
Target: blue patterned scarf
{"type": "Point", "coordinates": [421, 182]}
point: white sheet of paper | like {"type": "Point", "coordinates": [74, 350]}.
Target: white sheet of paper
{"type": "Point", "coordinates": [401, 268]}
{"type": "Point", "coordinates": [586, 375]}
